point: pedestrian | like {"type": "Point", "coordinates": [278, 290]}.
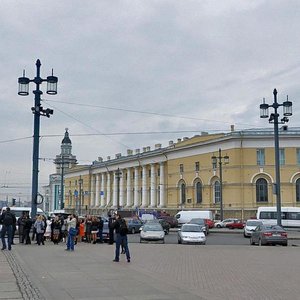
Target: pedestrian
{"type": "Point", "coordinates": [47, 234]}
{"type": "Point", "coordinates": [56, 230]}
{"type": "Point", "coordinates": [39, 226]}
{"type": "Point", "coordinates": [88, 228]}
{"type": "Point", "coordinates": [27, 228]}
{"type": "Point", "coordinates": [8, 221]}
{"type": "Point", "coordinates": [94, 229]}
{"type": "Point", "coordinates": [21, 223]}
{"type": "Point", "coordinates": [100, 230]}
{"type": "Point", "coordinates": [111, 229]}
{"type": "Point", "coordinates": [121, 229]}
{"type": "Point", "coordinates": [81, 233]}
{"type": "Point", "coordinates": [72, 232]}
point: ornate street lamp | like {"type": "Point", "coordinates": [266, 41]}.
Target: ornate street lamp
{"type": "Point", "coordinates": [274, 118]}
{"type": "Point", "coordinates": [38, 111]}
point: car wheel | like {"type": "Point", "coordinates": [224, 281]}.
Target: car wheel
{"type": "Point", "coordinates": [285, 244]}
{"type": "Point", "coordinates": [245, 235]}
{"type": "Point", "coordinates": [218, 226]}
{"type": "Point", "coordinates": [251, 241]}
{"type": "Point", "coordinates": [179, 241]}
{"type": "Point", "coordinates": [259, 242]}
{"type": "Point", "coordinates": [133, 230]}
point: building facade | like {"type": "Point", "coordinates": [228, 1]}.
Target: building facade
{"type": "Point", "coordinates": [182, 175]}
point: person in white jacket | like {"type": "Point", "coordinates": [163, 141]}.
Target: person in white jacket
{"type": "Point", "coordinates": [71, 227]}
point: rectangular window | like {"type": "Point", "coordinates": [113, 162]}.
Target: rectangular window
{"type": "Point", "coordinates": [158, 172]}
{"type": "Point", "coordinates": [260, 157]}
{"type": "Point", "coordinates": [298, 156]}
{"type": "Point", "coordinates": [197, 166]}
{"type": "Point", "coordinates": [281, 157]}
{"type": "Point", "coordinates": [181, 168]}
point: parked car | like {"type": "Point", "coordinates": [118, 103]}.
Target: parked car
{"type": "Point", "coordinates": [237, 224]}
{"type": "Point", "coordinates": [171, 220]}
{"type": "Point", "coordinates": [269, 234]}
{"type": "Point", "coordinates": [202, 223]}
{"type": "Point", "coordinates": [152, 231]}
{"type": "Point", "coordinates": [134, 225]}
{"type": "Point", "coordinates": [210, 223]}
{"type": "Point", "coordinates": [165, 225]}
{"type": "Point", "coordinates": [250, 226]}
{"type": "Point", "coordinates": [222, 224]}
{"type": "Point", "coordinates": [191, 233]}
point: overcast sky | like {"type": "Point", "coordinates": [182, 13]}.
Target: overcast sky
{"type": "Point", "coordinates": [139, 67]}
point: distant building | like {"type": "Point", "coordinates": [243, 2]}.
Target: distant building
{"type": "Point", "coordinates": [182, 176]}
{"type": "Point", "coordinates": [63, 161]}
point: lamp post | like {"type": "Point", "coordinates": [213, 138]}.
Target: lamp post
{"type": "Point", "coordinates": [220, 160]}
{"type": "Point", "coordinates": [118, 176]}
{"type": "Point", "coordinates": [62, 204]}
{"type": "Point", "coordinates": [274, 118]}
{"type": "Point", "coordinates": [38, 111]}
{"type": "Point", "coordinates": [80, 181]}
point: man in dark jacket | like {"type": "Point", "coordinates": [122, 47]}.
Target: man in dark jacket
{"type": "Point", "coordinates": [8, 221]}
{"type": "Point", "coordinates": [120, 227]}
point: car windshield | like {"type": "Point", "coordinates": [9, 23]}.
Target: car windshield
{"type": "Point", "coordinates": [253, 223]}
{"type": "Point", "coordinates": [191, 228]}
{"type": "Point", "coordinates": [152, 227]}
{"type": "Point", "coordinates": [197, 221]}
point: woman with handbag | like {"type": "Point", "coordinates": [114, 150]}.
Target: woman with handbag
{"type": "Point", "coordinates": [72, 232]}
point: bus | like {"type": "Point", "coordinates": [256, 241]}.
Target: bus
{"type": "Point", "coordinates": [290, 216]}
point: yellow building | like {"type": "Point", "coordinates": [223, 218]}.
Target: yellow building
{"type": "Point", "coordinates": [182, 175]}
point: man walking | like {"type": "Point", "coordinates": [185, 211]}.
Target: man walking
{"type": "Point", "coordinates": [121, 229]}
{"type": "Point", "coordinates": [8, 221]}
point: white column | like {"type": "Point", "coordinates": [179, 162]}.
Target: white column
{"type": "Point", "coordinates": [102, 189]}
{"type": "Point", "coordinates": [92, 199]}
{"type": "Point", "coordinates": [122, 198]}
{"type": "Point", "coordinates": [97, 189]}
{"type": "Point", "coordinates": [153, 186]}
{"type": "Point", "coordinates": [162, 185]}
{"type": "Point", "coordinates": [136, 187]}
{"type": "Point", "coordinates": [108, 190]}
{"type": "Point", "coordinates": [129, 200]}
{"type": "Point", "coordinates": [144, 188]}
{"type": "Point", "coordinates": [115, 191]}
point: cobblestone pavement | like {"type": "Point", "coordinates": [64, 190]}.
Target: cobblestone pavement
{"type": "Point", "coordinates": [156, 271]}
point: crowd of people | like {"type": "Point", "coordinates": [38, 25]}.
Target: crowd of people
{"type": "Point", "coordinates": [57, 229]}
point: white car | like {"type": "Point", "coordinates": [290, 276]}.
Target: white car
{"type": "Point", "coordinates": [152, 232]}
{"type": "Point", "coordinates": [250, 226]}
{"type": "Point", "coordinates": [222, 224]}
{"type": "Point", "coordinates": [191, 233]}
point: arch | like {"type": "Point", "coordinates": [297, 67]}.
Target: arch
{"type": "Point", "coordinates": [294, 177]}
{"type": "Point", "coordinates": [264, 175]}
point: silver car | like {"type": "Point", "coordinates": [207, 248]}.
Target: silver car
{"type": "Point", "coordinates": [152, 232]}
{"type": "Point", "coordinates": [250, 226]}
{"type": "Point", "coordinates": [191, 233]}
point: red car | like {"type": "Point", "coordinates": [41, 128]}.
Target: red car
{"type": "Point", "coordinates": [210, 223]}
{"type": "Point", "coordinates": [237, 224]}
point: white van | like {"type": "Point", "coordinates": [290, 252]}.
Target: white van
{"type": "Point", "coordinates": [18, 210]}
{"type": "Point", "coordinates": [185, 216]}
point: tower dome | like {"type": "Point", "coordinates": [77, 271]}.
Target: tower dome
{"type": "Point", "coordinates": [66, 139]}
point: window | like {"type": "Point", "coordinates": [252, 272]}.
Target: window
{"type": "Point", "coordinates": [298, 190]}
{"type": "Point", "coordinates": [181, 168]}
{"type": "Point", "coordinates": [281, 157]}
{"type": "Point", "coordinates": [298, 156]}
{"type": "Point", "coordinates": [198, 189]}
{"type": "Point", "coordinates": [158, 172]}
{"type": "Point", "coordinates": [261, 190]}
{"type": "Point", "coordinates": [197, 166]}
{"type": "Point", "coordinates": [217, 192]}
{"type": "Point", "coordinates": [260, 157]}
{"type": "Point", "coordinates": [182, 193]}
